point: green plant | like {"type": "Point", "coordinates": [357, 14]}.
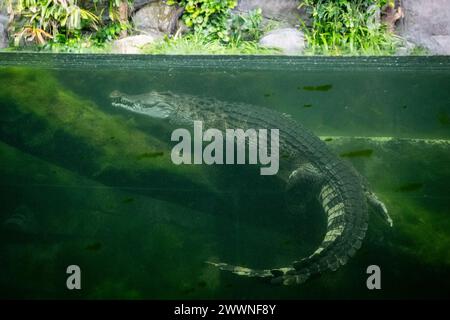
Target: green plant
{"type": "Point", "coordinates": [207, 17]}
{"type": "Point", "coordinates": [118, 14]}
{"type": "Point", "coordinates": [109, 32]}
{"type": "Point", "coordinates": [41, 20]}
{"type": "Point", "coordinates": [197, 43]}
{"type": "Point", "coordinates": [116, 25]}
{"type": "Point", "coordinates": [245, 27]}
{"type": "Point", "coordinates": [347, 27]}
{"type": "Point", "coordinates": [419, 51]}
{"type": "Point", "coordinates": [66, 25]}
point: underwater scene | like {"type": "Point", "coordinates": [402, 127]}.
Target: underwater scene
{"type": "Point", "coordinates": [89, 177]}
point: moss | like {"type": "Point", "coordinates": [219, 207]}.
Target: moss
{"type": "Point", "coordinates": [423, 233]}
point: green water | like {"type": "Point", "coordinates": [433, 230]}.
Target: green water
{"type": "Point", "coordinates": [88, 184]}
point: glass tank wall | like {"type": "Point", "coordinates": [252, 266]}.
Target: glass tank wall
{"type": "Point", "coordinates": [87, 183]}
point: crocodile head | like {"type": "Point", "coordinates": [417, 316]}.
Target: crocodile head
{"type": "Point", "coordinates": [153, 104]}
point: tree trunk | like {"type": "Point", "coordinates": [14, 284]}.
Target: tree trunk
{"type": "Point", "coordinates": [123, 16]}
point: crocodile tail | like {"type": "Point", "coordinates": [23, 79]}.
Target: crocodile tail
{"type": "Point", "coordinates": [347, 219]}
{"type": "Point", "coordinates": [272, 275]}
{"type": "Point", "coordinates": [242, 271]}
{"type": "Point", "coordinates": [346, 208]}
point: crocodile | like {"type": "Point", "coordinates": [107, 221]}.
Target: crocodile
{"type": "Point", "coordinates": [310, 170]}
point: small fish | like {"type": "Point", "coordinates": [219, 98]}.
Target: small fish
{"type": "Point", "coordinates": [410, 187]}
{"type": "Point", "coordinates": [328, 139]}
{"type": "Point", "coordinates": [94, 246]}
{"type": "Point", "coordinates": [357, 153]}
{"type": "Point", "coordinates": [307, 105]}
{"type": "Point", "coordinates": [149, 155]}
{"type": "Point", "coordinates": [23, 228]}
{"type": "Point", "coordinates": [128, 200]}
{"type": "Point", "coordinates": [376, 112]}
{"type": "Point", "coordinates": [443, 118]}
{"type": "Point", "coordinates": [267, 95]}
{"type": "Point", "coordinates": [22, 220]}
{"type": "Point", "coordinates": [325, 87]}
{"type": "Point", "coordinates": [404, 107]}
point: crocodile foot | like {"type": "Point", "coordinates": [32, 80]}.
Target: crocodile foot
{"type": "Point", "coordinates": [378, 207]}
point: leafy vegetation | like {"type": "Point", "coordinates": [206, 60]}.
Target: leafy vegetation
{"type": "Point", "coordinates": [347, 27]}
{"type": "Point", "coordinates": [42, 20]}
{"type": "Point", "coordinates": [245, 27]}
{"type": "Point", "coordinates": [214, 30]}
{"type": "Point", "coordinates": [207, 17]}
{"type": "Point", "coordinates": [64, 23]}
{"type": "Point", "coordinates": [336, 27]}
{"type": "Point", "coordinates": [109, 32]}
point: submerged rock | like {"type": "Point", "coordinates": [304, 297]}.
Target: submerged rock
{"type": "Point", "coordinates": [59, 125]}
{"type": "Point", "coordinates": [133, 44]}
{"type": "Point", "coordinates": [158, 17]}
{"type": "Point", "coordinates": [289, 41]}
{"type": "Point", "coordinates": [427, 25]}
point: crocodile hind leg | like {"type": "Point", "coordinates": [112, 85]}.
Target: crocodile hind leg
{"type": "Point", "coordinates": [374, 204]}
{"type": "Point", "coordinates": [303, 183]}
{"type": "Point", "coordinates": [378, 207]}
